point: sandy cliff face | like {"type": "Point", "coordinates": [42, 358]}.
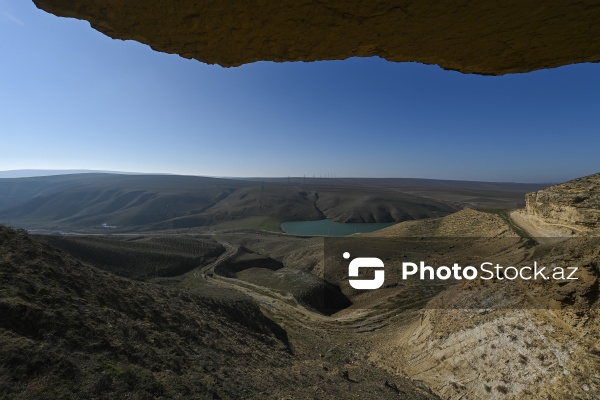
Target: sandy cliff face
{"type": "Point", "coordinates": [574, 204]}
{"type": "Point", "coordinates": [527, 340]}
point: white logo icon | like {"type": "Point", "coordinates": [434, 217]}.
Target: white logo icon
{"type": "Point", "coordinates": [365, 262]}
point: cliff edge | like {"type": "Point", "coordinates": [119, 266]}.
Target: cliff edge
{"type": "Point", "coordinates": [574, 204]}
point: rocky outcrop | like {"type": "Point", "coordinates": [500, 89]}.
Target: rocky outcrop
{"type": "Point", "coordinates": [573, 204]}
{"type": "Point", "coordinates": [481, 36]}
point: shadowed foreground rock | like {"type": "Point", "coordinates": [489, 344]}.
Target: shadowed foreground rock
{"type": "Point", "coordinates": [71, 331]}
{"type": "Point", "coordinates": [469, 36]}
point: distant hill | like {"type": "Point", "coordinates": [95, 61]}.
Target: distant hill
{"type": "Point", "coordinates": [98, 202]}
{"type": "Point", "coordinates": [29, 173]}
{"type": "Point", "coordinates": [90, 200]}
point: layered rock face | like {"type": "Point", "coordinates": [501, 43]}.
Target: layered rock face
{"type": "Point", "coordinates": [479, 36]}
{"type": "Point", "coordinates": [573, 204]}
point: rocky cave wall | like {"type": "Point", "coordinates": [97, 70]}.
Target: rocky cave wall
{"type": "Point", "coordinates": [484, 37]}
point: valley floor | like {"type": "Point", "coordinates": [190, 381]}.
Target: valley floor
{"type": "Point", "coordinates": [380, 345]}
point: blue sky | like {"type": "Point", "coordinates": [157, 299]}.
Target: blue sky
{"type": "Point", "coordinates": [72, 98]}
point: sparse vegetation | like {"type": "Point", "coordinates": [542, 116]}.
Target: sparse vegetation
{"type": "Point", "coordinates": [502, 389]}
{"type": "Point", "coordinates": [195, 323]}
{"type": "Point", "coordinates": [71, 330]}
{"type": "Point", "coordinates": [68, 330]}
{"type": "Point", "coordinates": [140, 258]}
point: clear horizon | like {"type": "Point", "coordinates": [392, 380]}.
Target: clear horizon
{"type": "Point", "coordinates": [41, 172]}
{"type": "Point", "coordinates": [73, 98]}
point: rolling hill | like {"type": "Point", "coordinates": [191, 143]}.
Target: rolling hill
{"type": "Point", "coordinates": [232, 315]}
{"type": "Point", "coordinates": [69, 330]}
{"type": "Point", "coordinates": [99, 202]}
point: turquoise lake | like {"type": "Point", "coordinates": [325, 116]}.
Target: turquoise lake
{"type": "Point", "coordinates": [327, 227]}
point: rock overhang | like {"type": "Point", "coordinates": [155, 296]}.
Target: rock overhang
{"type": "Point", "coordinates": [482, 37]}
